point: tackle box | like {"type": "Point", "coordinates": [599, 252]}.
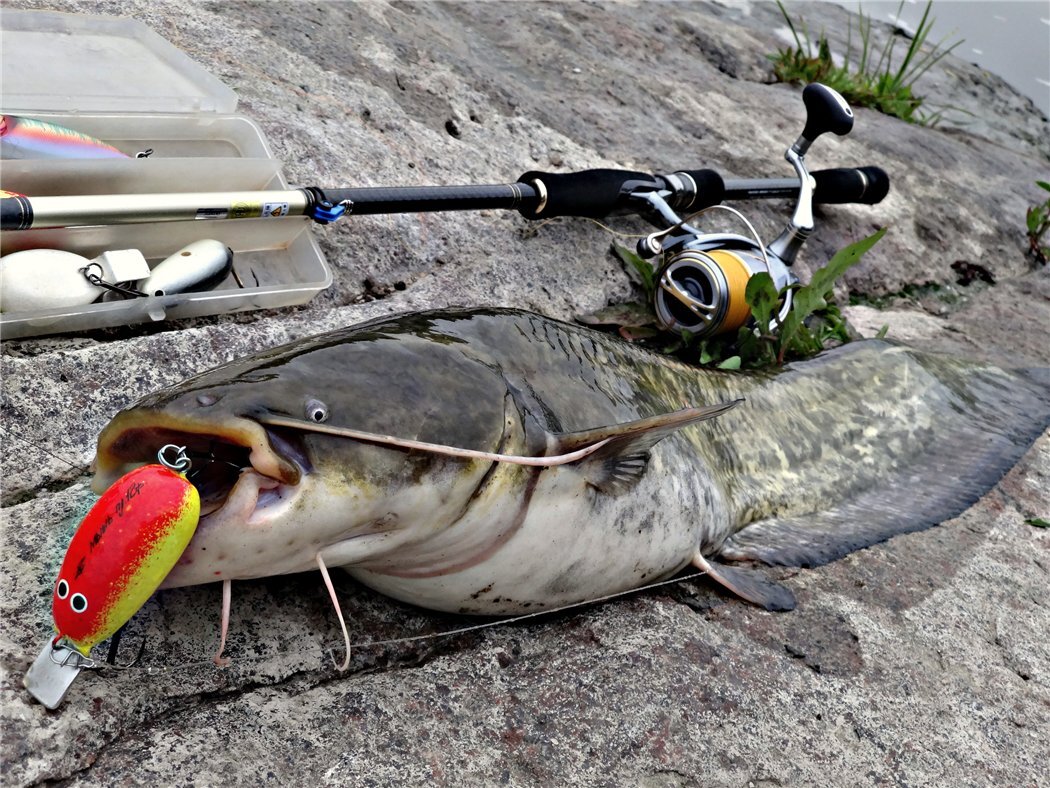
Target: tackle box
{"type": "Point", "coordinates": [115, 79]}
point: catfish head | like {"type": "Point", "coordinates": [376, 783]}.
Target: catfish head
{"type": "Point", "coordinates": [276, 493]}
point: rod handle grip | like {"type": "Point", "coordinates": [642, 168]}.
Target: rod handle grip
{"type": "Point", "coordinates": [866, 185]}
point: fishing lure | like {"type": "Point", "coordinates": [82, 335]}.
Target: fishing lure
{"type": "Point", "coordinates": [201, 265]}
{"type": "Point", "coordinates": [125, 546]}
{"type": "Point", "coordinates": [37, 279]}
{"type": "Point", "coordinates": [26, 138]}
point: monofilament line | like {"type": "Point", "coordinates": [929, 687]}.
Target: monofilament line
{"type": "Point", "coordinates": [158, 669]}
{"type": "Point", "coordinates": [524, 616]}
{"type": "Point", "coordinates": [74, 466]}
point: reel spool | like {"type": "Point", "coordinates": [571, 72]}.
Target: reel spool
{"type": "Point", "coordinates": [702, 292]}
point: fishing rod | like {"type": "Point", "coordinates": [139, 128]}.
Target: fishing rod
{"type": "Point", "coordinates": [536, 195]}
{"type": "Point", "coordinates": [701, 276]}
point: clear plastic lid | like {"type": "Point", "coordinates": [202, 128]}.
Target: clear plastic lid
{"type": "Point", "coordinates": [61, 62]}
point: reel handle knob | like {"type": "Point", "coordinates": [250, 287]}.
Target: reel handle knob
{"type": "Point", "coordinates": [826, 111]}
{"type": "Point", "coordinates": [649, 246]}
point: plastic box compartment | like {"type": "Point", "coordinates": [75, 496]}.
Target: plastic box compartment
{"type": "Point", "coordinates": [102, 76]}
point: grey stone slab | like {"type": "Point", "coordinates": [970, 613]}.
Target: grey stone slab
{"type": "Point", "coordinates": [920, 661]}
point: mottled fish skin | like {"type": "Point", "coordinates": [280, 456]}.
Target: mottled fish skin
{"type": "Point", "coordinates": [868, 419]}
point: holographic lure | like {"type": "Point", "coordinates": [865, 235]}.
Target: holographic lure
{"type": "Point", "coordinates": [125, 546]}
{"type": "Point", "coordinates": [26, 138]}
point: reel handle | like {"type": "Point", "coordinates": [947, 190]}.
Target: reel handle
{"type": "Point", "coordinates": [867, 185]}
{"type": "Point", "coordinates": [826, 111]}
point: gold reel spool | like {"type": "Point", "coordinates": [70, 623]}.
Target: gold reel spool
{"type": "Point", "coordinates": [703, 292]}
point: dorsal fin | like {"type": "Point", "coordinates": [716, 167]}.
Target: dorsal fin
{"type": "Point", "coordinates": [618, 464]}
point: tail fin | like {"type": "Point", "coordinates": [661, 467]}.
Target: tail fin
{"type": "Point", "coordinates": [981, 421]}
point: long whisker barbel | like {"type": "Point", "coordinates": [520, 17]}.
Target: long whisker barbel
{"type": "Point", "coordinates": [452, 451]}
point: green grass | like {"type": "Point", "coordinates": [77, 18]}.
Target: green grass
{"type": "Point", "coordinates": [867, 77]}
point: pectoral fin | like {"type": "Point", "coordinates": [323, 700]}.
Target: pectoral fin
{"type": "Point", "coordinates": [622, 460]}
{"type": "Point", "coordinates": [749, 584]}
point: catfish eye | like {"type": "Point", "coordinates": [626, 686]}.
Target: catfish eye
{"type": "Point", "coordinates": [316, 411]}
{"type": "Point", "coordinates": [62, 589]}
{"type": "Point", "coordinates": [78, 602]}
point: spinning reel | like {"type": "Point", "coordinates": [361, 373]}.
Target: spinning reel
{"type": "Point", "coordinates": [702, 278]}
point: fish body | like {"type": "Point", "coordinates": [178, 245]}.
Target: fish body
{"type": "Point", "coordinates": [819, 459]}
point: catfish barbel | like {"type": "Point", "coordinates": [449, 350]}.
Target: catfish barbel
{"type": "Point", "coordinates": [816, 460]}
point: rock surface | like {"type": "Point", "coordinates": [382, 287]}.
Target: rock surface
{"type": "Point", "coordinates": [922, 660]}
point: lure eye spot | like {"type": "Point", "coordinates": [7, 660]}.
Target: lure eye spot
{"type": "Point", "coordinates": [62, 589]}
{"type": "Point", "coordinates": [78, 602]}
{"type": "Point", "coordinates": [316, 411]}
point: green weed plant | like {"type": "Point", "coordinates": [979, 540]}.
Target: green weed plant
{"type": "Point", "coordinates": [775, 339]}
{"type": "Point", "coordinates": [873, 81]}
{"type": "Point", "coordinates": [1037, 220]}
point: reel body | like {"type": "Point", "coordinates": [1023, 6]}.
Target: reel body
{"type": "Point", "coordinates": [702, 282]}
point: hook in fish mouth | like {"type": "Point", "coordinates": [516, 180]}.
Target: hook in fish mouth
{"type": "Point", "coordinates": [221, 454]}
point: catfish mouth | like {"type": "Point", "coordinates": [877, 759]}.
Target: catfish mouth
{"type": "Point", "coordinates": [227, 462]}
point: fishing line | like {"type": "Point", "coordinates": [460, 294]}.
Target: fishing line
{"type": "Point", "coordinates": [154, 670]}
{"type": "Point", "coordinates": [653, 239]}
{"type": "Point", "coordinates": [741, 217]}
{"type": "Point", "coordinates": [558, 219]}
{"type": "Point", "coordinates": [81, 468]}
{"type": "Point", "coordinates": [524, 616]}
{"type": "Point", "coordinates": [680, 225]}
{"type": "Point", "coordinates": [606, 227]}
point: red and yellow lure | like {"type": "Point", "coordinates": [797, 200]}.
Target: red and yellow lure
{"type": "Point", "coordinates": [124, 548]}
{"type": "Point", "coordinates": [121, 552]}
